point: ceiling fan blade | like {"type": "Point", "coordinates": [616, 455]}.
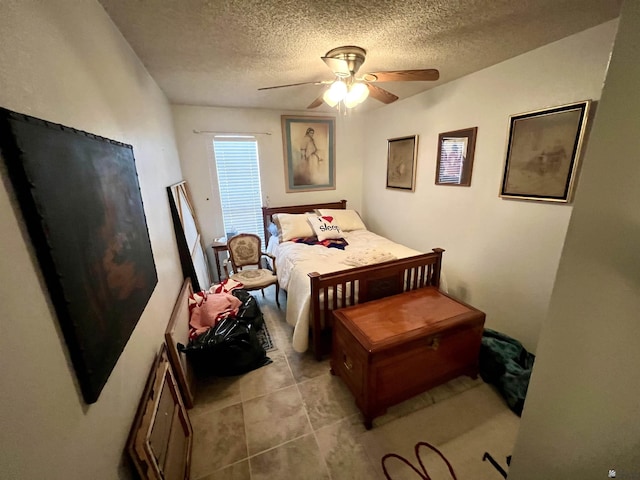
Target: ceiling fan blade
{"type": "Point", "coordinates": [296, 84]}
{"type": "Point", "coordinates": [316, 103]}
{"type": "Point", "coordinates": [338, 66]}
{"type": "Point", "coordinates": [428, 74]}
{"type": "Point", "coordinates": [381, 94]}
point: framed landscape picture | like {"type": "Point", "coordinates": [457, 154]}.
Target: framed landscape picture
{"type": "Point", "coordinates": [543, 153]}
{"type": "Point", "coordinates": [401, 163]}
{"type": "Point", "coordinates": [309, 153]}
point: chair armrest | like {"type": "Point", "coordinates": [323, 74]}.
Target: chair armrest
{"type": "Point", "coordinates": [225, 265]}
{"type": "Point", "coordinates": [273, 260]}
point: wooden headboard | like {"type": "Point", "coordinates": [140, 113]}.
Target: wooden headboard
{"type": "Point", "coordinates": [267, 212]}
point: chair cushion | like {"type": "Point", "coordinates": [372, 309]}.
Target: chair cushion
{"type": "Point", "coordinates": [252, 279]}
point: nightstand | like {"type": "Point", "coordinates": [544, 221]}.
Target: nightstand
{"type": "Point", "coordinates": [218, 246]}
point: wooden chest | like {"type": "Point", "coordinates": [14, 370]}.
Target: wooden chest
{"type": "Point", "coordinates": [391, 349]}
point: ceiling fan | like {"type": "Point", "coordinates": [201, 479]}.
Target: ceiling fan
{"type": "Point", "coordinates": [348, 89]}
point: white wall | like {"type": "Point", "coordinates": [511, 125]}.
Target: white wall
{"type": "Point", "coordinates": [64, 61]}
{"type": "Point", "coordinates": [501, 255]}
{"type": "Point", "coordinates": [199, 169]}
{"type": "Point", "coordinates": [581, 417]}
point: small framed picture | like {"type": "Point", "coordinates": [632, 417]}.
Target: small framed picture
{"type": "Point", "coordinates": [309, 153]}
{"type": "Point", "coordinates": [543, 153]}
{"type": "Point", "coordinates": [402, 153]}
{"type": "Point", "coordinates": [455, 157]}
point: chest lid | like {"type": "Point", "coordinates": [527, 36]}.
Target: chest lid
{"type": "Point", "coordinates": [398, 319]}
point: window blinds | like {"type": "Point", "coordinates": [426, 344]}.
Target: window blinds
{"type": "Point", "coordinates": [239, 183]}
{"type": "Point", "coordinates": [452, 160]}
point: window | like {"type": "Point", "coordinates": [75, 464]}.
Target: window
{"type": "Point", "coordinates": [239, 182]}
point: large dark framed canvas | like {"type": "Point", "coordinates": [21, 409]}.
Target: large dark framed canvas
{"type": "Point", "coordinates": [543, 153]}
{"type": "Point", "coordinates": [309, 145]}
{"type": "Point", "coordinates": [80, 199]}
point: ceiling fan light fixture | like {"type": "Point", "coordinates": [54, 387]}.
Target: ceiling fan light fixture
{"type": "Point", "coordinates": [336, 92]}
{"type": "Point", "coordinates": [359, 91]}
{"type": "Point", "coordinates": [350, 102]}
{"type": "Point", "coordinates": [328, 100]}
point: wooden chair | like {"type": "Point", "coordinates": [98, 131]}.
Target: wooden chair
{"type": "Point", "coordinates": [245, 250]}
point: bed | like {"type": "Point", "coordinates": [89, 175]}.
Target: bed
{"type": "Point", "coordinates": [318, 279]}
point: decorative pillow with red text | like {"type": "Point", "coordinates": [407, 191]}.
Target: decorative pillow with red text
{"type": "Point", "coordinates": [325, 227]}
{"type": "Point", "coordinates": [347, 219]}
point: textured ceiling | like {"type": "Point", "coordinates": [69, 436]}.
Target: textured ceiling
{"type": "Point", "coordinates": [219, 52]}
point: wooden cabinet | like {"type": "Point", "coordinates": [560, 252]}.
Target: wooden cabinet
{"type": "Point", "coordinates": [391, 349]}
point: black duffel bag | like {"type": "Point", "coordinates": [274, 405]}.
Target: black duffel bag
{"type": "Point", "coordinates": [249, 311]}
{"type": "Point", "coordinates": [229, 348]}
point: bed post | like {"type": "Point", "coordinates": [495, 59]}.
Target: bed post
{"type": "Point", "coordinates": [314, 312]}
{"type": "Point", "coordinates": [266, 219]}
{"type": "Point", "coordinates": [438, 266]}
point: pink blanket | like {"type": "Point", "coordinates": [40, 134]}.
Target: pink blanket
{"type": "Point", "coordinates": [213, 308]}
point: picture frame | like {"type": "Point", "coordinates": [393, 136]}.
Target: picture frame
{"type": "Point", "coordinates": [402, 154]}
{"type": "Point", "coordinates": [456, 150]}
{"type": "Point", "coordinates": [160, 441]}
{"type": "Point", "coordinates": [80, 198]}
{"type": "Point", "coordinates": [543, 153]}
{"type": "Point", "coordinates": [177, 332]}
{"type": "Point", "coordinates": [309, 144]}
{"type": "Point", "coordinates": [185, 225]}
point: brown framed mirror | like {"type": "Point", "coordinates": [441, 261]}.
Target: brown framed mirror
{"type": "Point", "coordinates": [455, 157]}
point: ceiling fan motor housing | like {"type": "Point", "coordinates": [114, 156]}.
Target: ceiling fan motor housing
{"type": "Point", "coordinates": [352, 55]}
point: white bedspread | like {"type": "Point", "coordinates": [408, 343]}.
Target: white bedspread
{"type": "Point", "coordinates": [295, 260]}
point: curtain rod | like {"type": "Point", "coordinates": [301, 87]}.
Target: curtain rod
{"type": "Point", "coordinates": [231, 133]}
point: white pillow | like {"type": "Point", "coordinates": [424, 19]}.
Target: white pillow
{"type": "Point", "coordinates": [347, 219]}
{"type": "Point", "coordinates": [273, 229]}
{"type": "Point", "coordinates": [325, 227]}
{"type": "Point", "coordinates": [292, 225]}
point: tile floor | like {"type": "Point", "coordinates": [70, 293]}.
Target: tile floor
{"type": "Point", "coordinates": [293, 419]}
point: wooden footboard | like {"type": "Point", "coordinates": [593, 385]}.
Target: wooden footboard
{"type": "Point", "coordinates": [335, 290]}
